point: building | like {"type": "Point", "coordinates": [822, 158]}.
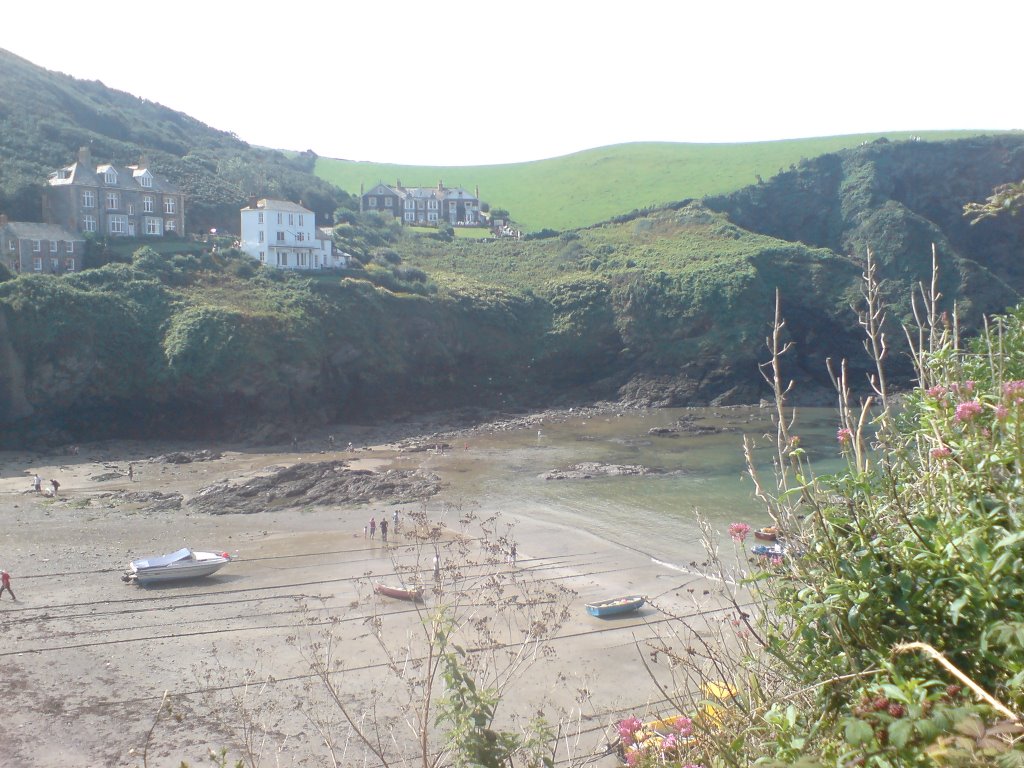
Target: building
{"type": "Point", "coordinates": [283, 234]}
{"type": "Point", "coordinates": [424, 205]}
{"type": "Point", "coordinates": [26, 246]}
{"type": "Point", "coordinates": [120, 201]}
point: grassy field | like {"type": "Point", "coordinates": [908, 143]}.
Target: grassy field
{"type": "Point", "coordinates": [591, 186]}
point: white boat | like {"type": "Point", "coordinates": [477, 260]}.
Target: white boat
{"type": "Point", "coordinates": [183, 564]}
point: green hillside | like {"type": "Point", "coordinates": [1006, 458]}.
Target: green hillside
{"type": "Point", "coordinates": [586, 187]}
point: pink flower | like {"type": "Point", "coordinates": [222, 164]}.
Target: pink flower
{"type": "Point", "coordinates": [938, 392]}
{"type": "Point", "coordinates": [738, 531]}
{"type": "Point", "coordinates": [1002, 412]}
{"type": "Point", "coordinates": [967, 410]}
{"type": "Point", "coordinates": [966, 388]}
{"type": "Point", "coordinates": [668, 744]}
{"type": "Point", "coordinates": [628, 728]}
{"type": "Point", "coordinates": [632, 757]}
{"type": "Point", "coordinates": [942, 452]}
{"type": "Point", "coordinates": [776, 560]}
{"type": "Point", "coordinates": [1014, 391]}
{"type": "Point", "coordinates": [683, 726]}
{"type": "Point", "coordinates": [693, 765]}
{"type": "Point", "coordinates": [844, 435]}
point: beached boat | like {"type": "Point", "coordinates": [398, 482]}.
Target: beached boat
{"type": "Point", "coordinates": [768, 533]}
{"type": "Point", "coordinates": [615, 606]}
{"type": "Point", "coordinates": [766, 550]}
{"type": "Point", "coordinates": [177, 566]}
{"type": "Point", "coordinates": [399, 593]}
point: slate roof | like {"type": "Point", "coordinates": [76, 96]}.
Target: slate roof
{"type": "Point", "coordinates": [30, 230]}
{"type": "Point", "coordinates": [284, 206]}
{"type": "Point", "coordinates": [126, 178]}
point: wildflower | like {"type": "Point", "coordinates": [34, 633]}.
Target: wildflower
{"type": "Point", "coordinates": [844, 435]}
{"type": "Point", "coordinates": [683, 726]}
{"type": "Point", "coordinates": [1014, 391]}
{"type": "Point", "coordinates": [967, 410]}
{"type": "Point", "coordinates": [776, 560]}
{"type": "Point", "coordinates": [966, 388]}
{"type": "Point", "coordinates": [628, 729]}
{"type": "Point", "coordinates": [632, 757]}
{"type": "Point", "coordinates": [738, 531]}
{"type": "Point", "coordinates": [668, 744]}
{"type": "Point", "coordinates": [942, 452]}
{"type": "Point", "coordinates": [937, 392]}
{"type": "Point", "coordinates": [1002, 412]}
{"type": "Point", "coordinates": [794, 441]}
{"type": "Point", "coordinates": [693, 765]}
{"type": "Point", "coordinates": [896, 710]}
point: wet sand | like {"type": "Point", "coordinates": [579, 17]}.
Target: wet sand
{"type": "Point", "coordinates": [87, 659]}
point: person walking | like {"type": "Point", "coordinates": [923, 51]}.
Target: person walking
{"type": "Point", "coordinates": [55, 485]}
{"type": "Point", "coordinates": [5, 583]}
{"type": "Point", "coordinates": [512, 555]}
{"type": "Point", "coordinates": [384, 529]}
{"type": "Point", "coordinates": [373, 527]}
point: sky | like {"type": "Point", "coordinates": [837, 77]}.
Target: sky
{"type": "Point", "coordinates": [483, 83]}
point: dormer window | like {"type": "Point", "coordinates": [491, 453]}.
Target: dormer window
{"type": "Point", "coordinates": [63, 173]}
{"type": "Point", "coordinates": [110, 177]}
{"type": "Point", "coordinates": [146, 180]}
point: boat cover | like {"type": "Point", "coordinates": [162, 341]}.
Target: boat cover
{"type": "Point", "coordinates": [159, 562]}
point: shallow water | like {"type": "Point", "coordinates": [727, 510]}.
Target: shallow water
{"type": "Point", "coordinates": [655, 513]}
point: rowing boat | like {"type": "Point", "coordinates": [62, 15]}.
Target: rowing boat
{"type": "Point", "coordinates": [615, 606]}
{"type": "Point", "coordinates": [399, 593]}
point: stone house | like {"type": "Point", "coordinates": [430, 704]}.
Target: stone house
{"type": "Point", "coordinates": [120, 201]}
{"type": "Point", "coordinates": [283, 234]}
{"type": "Point", "coordinates": [27, 246]}
{"type": "Point", "coordinates": [424, 205]}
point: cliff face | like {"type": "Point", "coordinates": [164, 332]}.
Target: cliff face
{"type": "Point", "coordinates": [671, 307]}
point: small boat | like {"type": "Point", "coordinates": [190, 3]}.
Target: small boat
{"type": "Point", "coordinates": [399, 593]}
{"type": "Point", "coordinates": [177, 566]}
{"type": "Point", "coordinates": [616, 606]}
{"type": "Point", "coordinates": [768, 533]}
{"type": "Point", "coordinates": [765, 550]}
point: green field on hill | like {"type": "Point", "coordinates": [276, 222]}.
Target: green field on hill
{"type": "Point", "coordinates": [594, 185]}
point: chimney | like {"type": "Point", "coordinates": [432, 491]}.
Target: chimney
{"type": "Point", "coordinates": [85, 157]}
{"type": "Point", "coordinates": [3, 219]}
{"type": "Point", "coordinates": [252, 203]}
{"type": "Point", "coordinates": [477, 191]}
{"type": "Point", "coordinates": [398, 183]}
{"type": "Point", "coordinates": [143, 162]}
{"type": "Point", "coordinates": [440, 184]}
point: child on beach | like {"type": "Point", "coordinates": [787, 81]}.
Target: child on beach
{"type": "Point", "coordinates": [5, 583]}
{"type": "Point", "coordinates": [373, 527]}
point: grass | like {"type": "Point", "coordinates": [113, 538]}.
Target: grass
{"type": "Point", "coordinates": [594, 185]}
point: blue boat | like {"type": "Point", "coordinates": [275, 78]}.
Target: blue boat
{"type": "Point", "coordinates": [616, 606]}
{"type": "Point", "coordinates": [765, 550]}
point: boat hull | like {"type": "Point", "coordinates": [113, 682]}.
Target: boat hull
{"type": "Point", "coordinates": [399, 593]}
{"type": "Point", "coordinates": [616, 606]}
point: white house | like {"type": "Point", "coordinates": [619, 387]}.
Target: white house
{"type": "Point", "coordinates": [282, 234]}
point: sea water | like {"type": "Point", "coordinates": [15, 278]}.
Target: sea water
{"type": "Point", "coordinates": [656, 513]}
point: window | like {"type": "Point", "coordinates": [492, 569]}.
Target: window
{"type": "Point", "coordinates": [432, 205]}
{"type": "Point", "coordinates": [152, 225]}
{"type": "Point", "coordinates": [147, 204]}
{"type": "Point", "coordinates": [169, 206]}
{"type": "Point", "coordinates": [146, 180]}
{"type": "Point", "coordinates": [432, 216]}
{"type": "Point", "coordinates": [110, 177]}
{"type": "Point", "coordinates": [88, 199]}
{"type": "Point", "coordinates": [53, 246]}
{"type": "Point", "coordinates": [373, 202]}
{"type": "Point", "coordinates": [263, 257]}
{"type": "Point", "coordinates": [54, 265]}
{"type": "Point", "coordinates": [11, 245]}
{"type": "Point", "coordinates": [259, 217]}
{"type": "Point", "coordinates": [37, 246]}
{"type": "Point", "coordinates": [301, 259]}
{"type": "Point", "coordinates": [282, 259]}
{"type": "Point", "coordinates": [89, 223]}
{"type": "Point", "coordinates": [37, 264]}
{"type": "Point", "coordinates": [113, 201]}
{"type": "Point", "coordinates": [69, 247]}
{"type": "Point", "coordinates": [291, 219]}
{"type": "Point", "coordinates": [410, 204]}
{"type": "Point", "coordinates": [131, 209]}
{"type": "Point", "coordinates": [69, 265]}
{"type": "Point", "coordinates": [301, 221]}
{"type": "Point", "coordinates": [117, 224]}
{"type": "Point", "coordinates": [419, 204]}
{"type": "Point", "coordinates": [300, 236]}
{"type": "Point", "coordinates": [388, 202]}
{"type": "Point", "coordinates": [280, 237]}
{"type": "Point", "coordinates": [171, 225]}
{"type": "Point", "coordinates": [261, 235]}
{"type": "Point", "coordinates": [409, 216]}
{"type": "Point", "coordinates": [280, 218]}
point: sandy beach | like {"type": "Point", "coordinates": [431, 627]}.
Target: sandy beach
{"type": "Point", "coordinates": [98, 672]}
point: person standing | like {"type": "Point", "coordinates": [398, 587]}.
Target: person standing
{"type": "Point", "coordinates": [437, 567]}
{"type": "Point", "coordinates": [5, 583]}
{"type": "Point", "coordinates": [131, 473]}
{"type": "Point", "coordinates": [394, 521]}
{"type": "Point", "coordinates": [55, 485]}
{"type": "Point", "coordinates": [373, 527]}
{"type": "Point", "coordinates": [384, 529]}
{"type": "Point", "coordinates": [37, 483]}
{"type": "Point", "coordinates": [512, 555]}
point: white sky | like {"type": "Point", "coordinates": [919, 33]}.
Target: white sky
{"type": "Point", "coordinates": [408, 82]}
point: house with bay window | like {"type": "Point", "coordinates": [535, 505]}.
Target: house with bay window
{"type": "Point", "coordinates": [282, 234]}
{"type": "Point", "coordinates": [428, 206]}
{"type": "Point", "coordinates": [113, 200]}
